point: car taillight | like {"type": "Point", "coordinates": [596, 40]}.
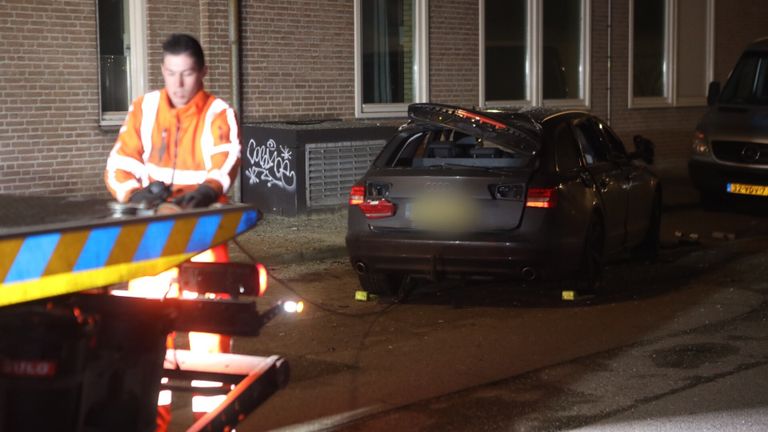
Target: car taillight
{"type": "Point", "coordinates": [378, 209]}
{"type": "Point", "coordinates": [541, 197]}
{"type": "Point", "coordinates": [357, 195]}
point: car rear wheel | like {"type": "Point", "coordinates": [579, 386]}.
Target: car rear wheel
{"type": "Point", "coordinates": [591, 272]}
{"type": "Point", "coordinates": [382, 284]}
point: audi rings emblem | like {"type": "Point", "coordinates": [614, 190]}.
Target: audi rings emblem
{"type": "Point", "coordinates": [750, 153]}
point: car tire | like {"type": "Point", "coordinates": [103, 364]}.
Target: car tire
{"type": "Point", "coordinates": [590, 278]}
{"type": "Point", "coordinates": [648, 249]}
{"type": "Point", "coordinates": [382, 284]}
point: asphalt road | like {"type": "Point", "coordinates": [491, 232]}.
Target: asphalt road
{"type": "Point", "coordinates": [678, 344]}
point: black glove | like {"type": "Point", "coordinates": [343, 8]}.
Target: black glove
{"type": "Point", "coordinates": [203, 196]}
{"type": "Point", "coordinates": [152, 195]}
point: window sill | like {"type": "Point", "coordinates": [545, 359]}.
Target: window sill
{"type": "Point", "coordinates": [112, 120]}
{"type": "Point", "coordinates": [382, 111]}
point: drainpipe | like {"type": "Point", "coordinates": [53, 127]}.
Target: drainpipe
{"type": "Point", "coordinates": [610, 59]}
{"type": "Point", "coordinates": [234, 68]}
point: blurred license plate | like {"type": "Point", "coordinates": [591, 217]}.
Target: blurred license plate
{"type": "Point", "coordinates": [747, 189]}
{"type": "Point", "coordinates": [443, 212]}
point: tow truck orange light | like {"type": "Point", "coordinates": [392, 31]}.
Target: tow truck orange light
{"type": "Point", "coordinates": [204, 256]}
{"type": "Point", "coordinates": [541, 197]}
{"type": "Point", "coordinates": [357, 195]}
{"type": "Point", "coordinates": [481, 118]}
{"type": "Point", "coordinates": [152, 287]}
{"type": "Point", "coordinates": [263, 278]}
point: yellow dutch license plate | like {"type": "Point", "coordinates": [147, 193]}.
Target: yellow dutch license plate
{"type": "Point", "coordinates": [747, 189]}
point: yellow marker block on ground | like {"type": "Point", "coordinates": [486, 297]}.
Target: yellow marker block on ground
{"type": "Point", "coordinates": [568, 295]}
{"type": "Point", "coordinates": [362, 296]}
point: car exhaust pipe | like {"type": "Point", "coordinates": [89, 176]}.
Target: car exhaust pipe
{"type": "Point", "coordinates": [361, 268]}
{"type": "Point", "coordinates": [528, 273]}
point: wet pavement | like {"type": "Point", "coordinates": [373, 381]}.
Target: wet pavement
{"type": "Point", "coordinates": [710, 377]}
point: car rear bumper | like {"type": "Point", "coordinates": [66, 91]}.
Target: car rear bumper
{"type": "Point", "coordinates": [713, 177]}
{"type": "Point", "coordinates": [437, 259]}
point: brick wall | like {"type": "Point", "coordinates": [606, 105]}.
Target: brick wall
{"type": "Point", "coordinates": [297, 64]}
{"type": "Point", "coordinates": [214, 36]}
{"type": "Point", "coordinates": [207, 20]}
{"type": "Point", "coordinates": [454, 66]}
{"type": "Point", "coordinates": [164, 18]}
{"type": "Point", "coordinates": [49, 136]}
{"type": "Point", "coordinates": [298, 60]}
{"type": "Point", "coordinates": [50, 139]}
{"type": "Point", "coordinates": [738, 23]}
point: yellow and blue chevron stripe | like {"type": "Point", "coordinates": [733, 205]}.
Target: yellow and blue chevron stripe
{"type": "Point", "coordinates": [38, 265]}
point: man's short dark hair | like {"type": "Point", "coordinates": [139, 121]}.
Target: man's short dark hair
{"type": "Point", "coordinates": [179, 43]}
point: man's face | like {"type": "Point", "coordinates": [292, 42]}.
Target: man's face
{"type": "Point", "coordinates": [182, 78]}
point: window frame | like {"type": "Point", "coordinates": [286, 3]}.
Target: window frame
{"type": "Point", "coordinates": [590, 153]}
{"type": "Point", "coordinates": [565, 126]}
{"type": "Point", "coordinates": [420, 67]}
{"type": "Point", "coordinates": [534, 55]}
{"type": "Point", "coordinates": [671, 75]}
{"type": "Point", "coordinates": [137, 73]}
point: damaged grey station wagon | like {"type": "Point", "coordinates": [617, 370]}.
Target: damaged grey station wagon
{"type": "Point", "coordinates": [538, 194]}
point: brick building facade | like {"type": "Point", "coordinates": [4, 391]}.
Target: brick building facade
{"type": "Point", "coordinates": [297, 62]}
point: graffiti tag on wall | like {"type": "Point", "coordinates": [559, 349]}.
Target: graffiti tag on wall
{"type": "Point", "coordinates": [270, 165]}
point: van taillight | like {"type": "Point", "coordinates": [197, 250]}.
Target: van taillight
{"type": "Point", "coordinates": [378, 209]}
{"type": "Point", "coordinates": [541, 197]}
{"type": "Point", "coordinates": [357, 195]}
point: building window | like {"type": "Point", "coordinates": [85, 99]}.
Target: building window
{"type": "Point", "coordinates": [650, 56]}
{"type": "Point", "coordinates": [122, 72]}
{"type": "Point", "coordinates": [671, 45]}
{"type": "Point", "coordinates": [562, 58]}
{"type": "Point", "coordinates": [534, 52]}
{"type": "Point", "coordinates": [695, 48]}
{"type": "Point", "coordinates": [506, 49]}
{"type": "Point", "coordinates": [390, 56]}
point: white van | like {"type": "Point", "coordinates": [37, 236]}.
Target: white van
{"type": "Point", "coordinates": [730, 144]}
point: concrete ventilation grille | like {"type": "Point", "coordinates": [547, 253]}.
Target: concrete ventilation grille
{"type": "Point", "coordinates": [332, 169]}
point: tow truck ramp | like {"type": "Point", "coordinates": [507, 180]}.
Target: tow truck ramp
{"type": "Point", "coordinates": [75, 358]}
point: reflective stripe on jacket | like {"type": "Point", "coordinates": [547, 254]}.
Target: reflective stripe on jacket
{"type": "Point", "coordinates": [182, 147]}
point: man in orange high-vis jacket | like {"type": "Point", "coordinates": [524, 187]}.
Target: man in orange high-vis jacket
{"type": "Point", "coordinates": [180, 144]}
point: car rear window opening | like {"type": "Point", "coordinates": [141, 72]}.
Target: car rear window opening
{"type": "Point", "coordinates": [448, 148]}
